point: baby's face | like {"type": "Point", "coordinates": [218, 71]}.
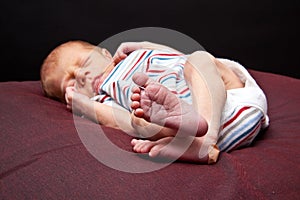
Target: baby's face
{"type": "Point", "coordinates": [84, 69]}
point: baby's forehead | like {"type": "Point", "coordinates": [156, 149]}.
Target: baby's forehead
{"type": "Point", "coordinates": [70, 53]}
{"type": "Point", "coordinates": [75, 53]}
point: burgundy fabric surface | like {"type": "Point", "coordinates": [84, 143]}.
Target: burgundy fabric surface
{"type": "Point", "coordinates": [43, 157]}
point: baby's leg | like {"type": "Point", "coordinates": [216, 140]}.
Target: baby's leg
{"type": "Point", "coordinates": [148, 130]}
{"type": "Point", "coordinates": [172, 148]}
{"type": "Point", "coordinates": [156, 104]}
{"type": "Point", "coordinates": [209, 97]}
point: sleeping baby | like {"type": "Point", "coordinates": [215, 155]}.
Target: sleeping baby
{"type": "Point", "coordinates": [163, 97]}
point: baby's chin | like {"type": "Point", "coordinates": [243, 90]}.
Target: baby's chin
{"type": "Point", "coordinates": [97, 84]}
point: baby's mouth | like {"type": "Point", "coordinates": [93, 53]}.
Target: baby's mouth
{"type": "Point", "coordinates": [97, 83]}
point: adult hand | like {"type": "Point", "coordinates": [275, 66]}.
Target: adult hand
{"type": "Point", "coordinates": [124, 49]}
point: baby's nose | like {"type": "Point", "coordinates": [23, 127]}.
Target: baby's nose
{"type": "Point", "coordinates": [80, 77]}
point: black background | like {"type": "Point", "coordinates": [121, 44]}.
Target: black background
{"type": "Point", "coordinates": [261, 35]}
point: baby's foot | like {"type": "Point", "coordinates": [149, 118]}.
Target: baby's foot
{"type": "Point", "coordinates": [156, 104]}
{"type": "Point", "coordinates": [171, 148]}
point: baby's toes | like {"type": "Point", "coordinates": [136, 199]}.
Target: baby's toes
{"type": "Point", "coordinates": [135, 97]}
{"type": "Point", "coordinates": [139, 112]}
{"type": "Point", "coordinates": [142, 146]}
{"type": "Point", "coordinates": [135, 105]}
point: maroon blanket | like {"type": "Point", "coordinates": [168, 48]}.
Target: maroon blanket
{"type": "Point", "coordinates": [42, 156]}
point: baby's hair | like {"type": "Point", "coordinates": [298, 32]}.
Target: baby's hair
{"type": "Point", "coordinates": [50, 64]}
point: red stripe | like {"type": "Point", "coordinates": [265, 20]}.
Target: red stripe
{"type": "Point", "coordinates": [183, 91]}
{"type": "Point", "coordinates": [155, 71]}
{"type": "Point", "coordinates": [168, 54]}
{"type": "Point", "coordinates": [135, 64]}
{"type": "Point", "coordinates": [114, 89]}
{"type": "Point", "coordinates": [236, 116]}
{"type": "Point", "coordinates": [125, 88]}
{"type": "Point", "coordinates": [104, 98]}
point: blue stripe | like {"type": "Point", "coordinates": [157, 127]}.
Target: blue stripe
{"type": "Point", "coordinates": [127, 94]}
{"type": "Point", "coordinates": [152, 75]}
{"type": "Point", "coordinates": [108, 78]}
{"type": "Point", "coordinates": [107, 100]}
{"type": "Point", "coordinates": [167, 78]}
{"type": "Point", "coordinates": [238, 139]}
{"type": "Point", "coordinates": [119, 93]}
{"type": "Point", "coordinates": [159, 58]}
{"type": "Point", "coordinates": [185, 96]}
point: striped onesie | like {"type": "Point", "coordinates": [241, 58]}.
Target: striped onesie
{"type": "Point", "coordinates": [164, 67]}
{"type": "Point", "coordinates": [241, 122]}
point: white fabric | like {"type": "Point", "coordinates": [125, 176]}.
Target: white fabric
{"type": "Point", "coordinates": [250, 95]}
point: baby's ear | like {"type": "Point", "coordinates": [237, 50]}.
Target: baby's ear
{"type": "Point", "coordinates": [106, 53]}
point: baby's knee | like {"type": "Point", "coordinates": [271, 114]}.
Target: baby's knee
{"type": "Point", "coordinates": [201, 55]}
{"type": "Point", "coordinates": [203, 61]}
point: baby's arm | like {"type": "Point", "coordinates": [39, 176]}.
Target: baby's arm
{"type": "Point", "coordinates": [113, 116]}
{"type": "Point", "coordinates": [128, 47]}
{"type": "Point", "coordinates": [110, 116]}
{"type": "Point", "coordinates": [155, 46]}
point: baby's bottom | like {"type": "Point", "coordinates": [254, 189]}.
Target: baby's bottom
{"type": "Point", "coordinates": [231, 136]}
{"type": "Point", "coordinates": [157, 105]}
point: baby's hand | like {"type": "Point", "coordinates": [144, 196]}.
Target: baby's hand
{"type": "Point", "coordinates": [124, 49]}
{"type": "Point", "coordinates": [69, 96]}
{"type": "Point", "coordinates": [75, 101]}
